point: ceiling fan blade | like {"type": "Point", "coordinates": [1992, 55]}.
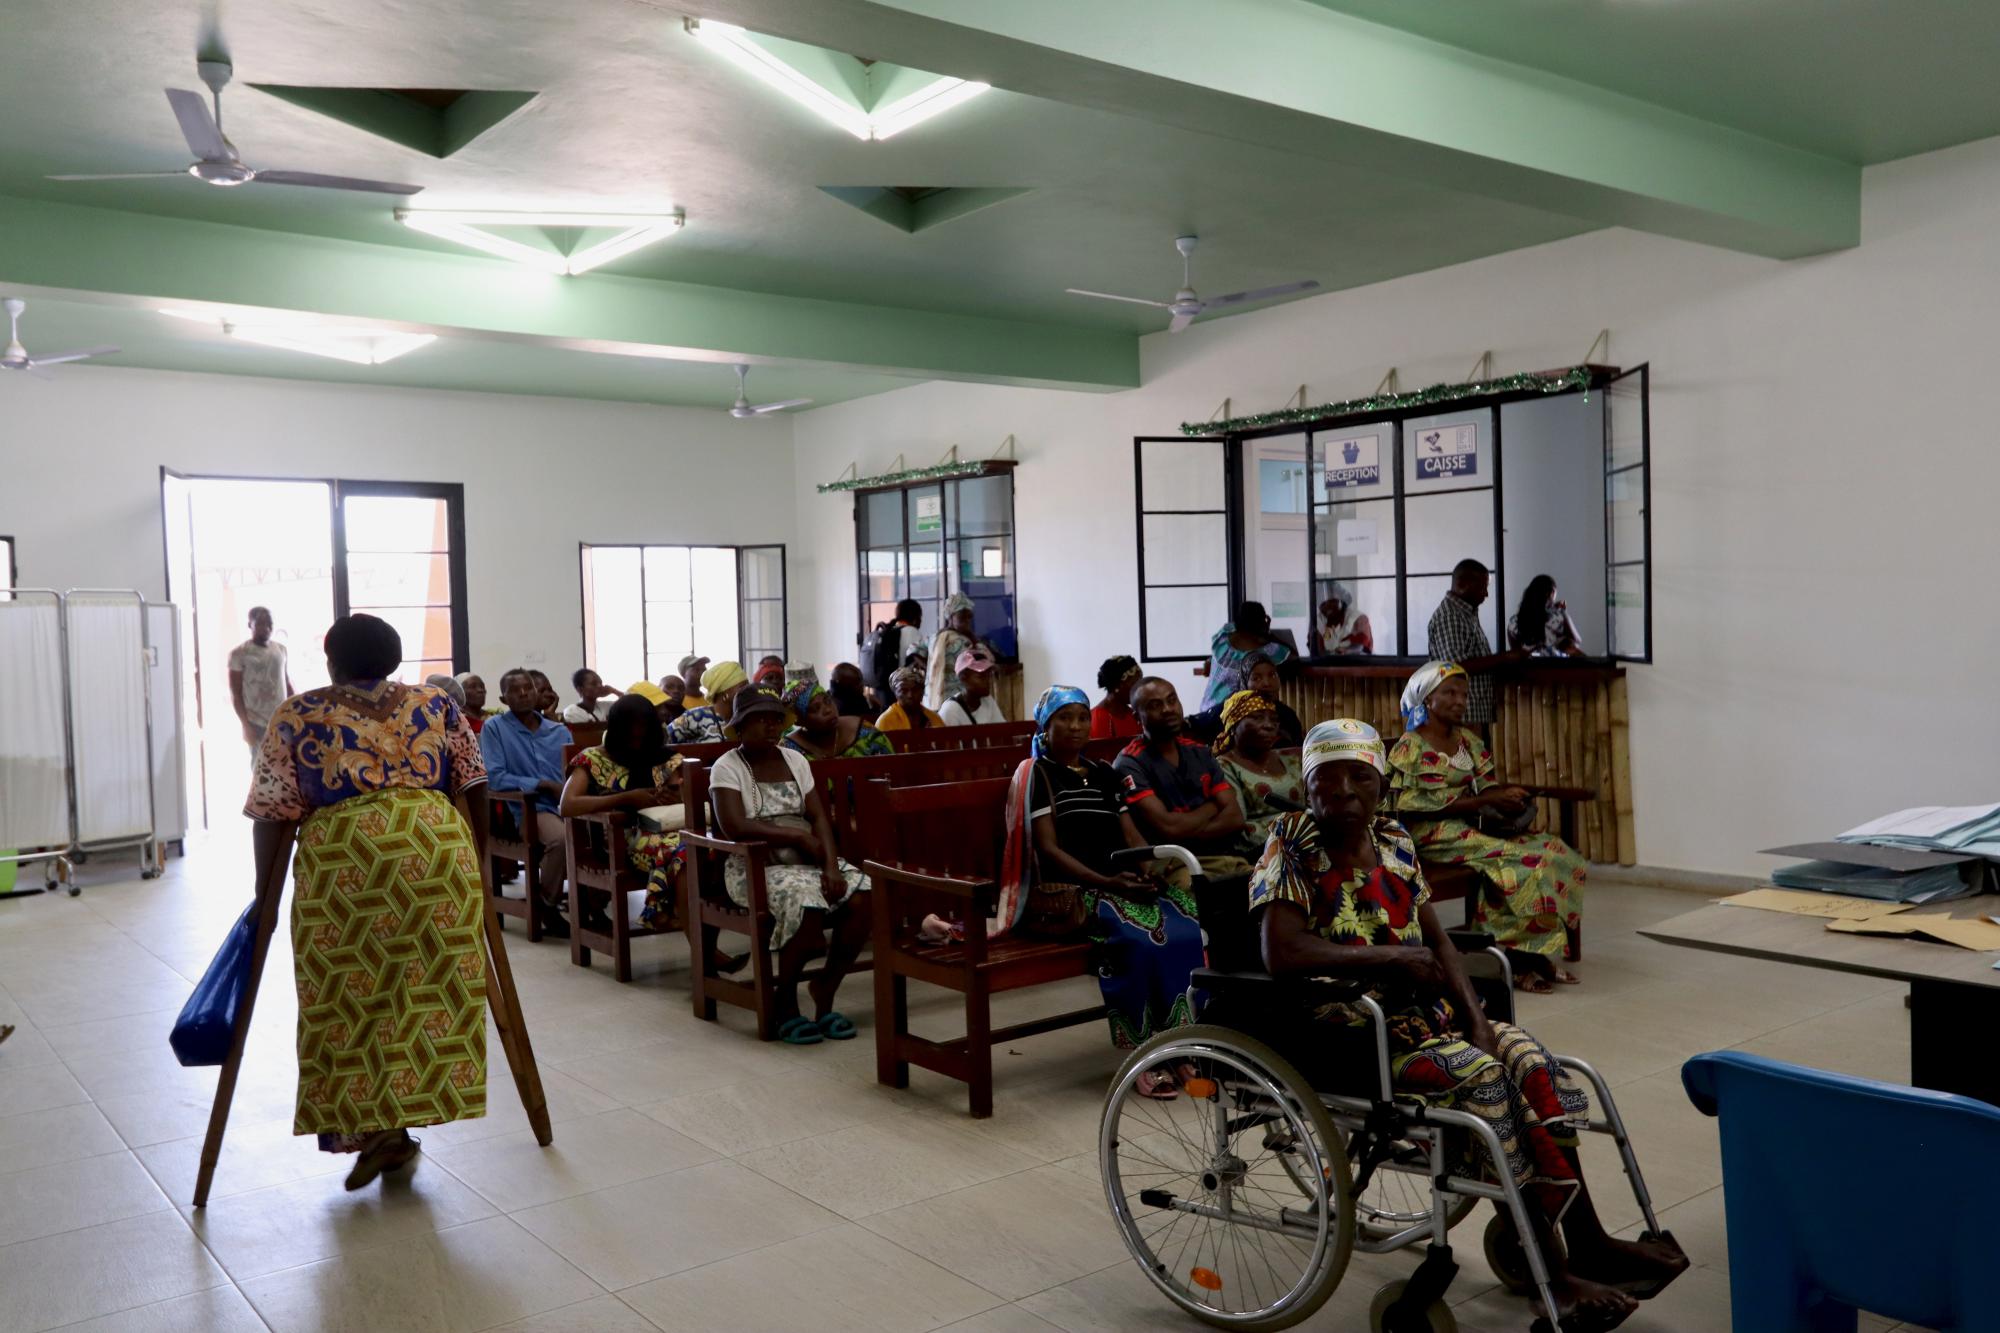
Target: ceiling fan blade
{"type": "Point", "coordinates": [313, 178]}
{"type": "Point", "coordinates": [1107, 296]}
{"type": "Point", "coordinates": [1261, 293]}
{"type": "Point", "coordinates": [61, 357]}
{"type": "Point", "coordinates": [121, 176]}
{"type": "Point", "coordinates": [198, 127]}
{"type": "Point", "coordinates": [1180, 322]}
{"type": "Point", "coordinates": [779, 407]}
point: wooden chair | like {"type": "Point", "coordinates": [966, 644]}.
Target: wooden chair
{"type": "Point", "coordinates": [938, 849]}
{"type": "Point", "coordinates": [585, 734]}
{"type": "Point", "coordinates": [513, 837]}
{"type": "Point", "coordinates": [599, 863]}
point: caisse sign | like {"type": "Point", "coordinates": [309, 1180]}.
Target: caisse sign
{"type": "Point", "coordinates": [1447, 451]}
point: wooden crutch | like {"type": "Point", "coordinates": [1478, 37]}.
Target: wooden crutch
{"type": "Point", "coordinates": [506, 1003]}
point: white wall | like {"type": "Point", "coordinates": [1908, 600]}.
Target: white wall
{"type": "Point", "coordinates": [1824, 466]}
{"type": "Point", "coordinates": [80, 485]}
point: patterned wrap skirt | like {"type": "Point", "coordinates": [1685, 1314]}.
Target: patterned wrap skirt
{"type": "Point", "coordinates": [390, 965]}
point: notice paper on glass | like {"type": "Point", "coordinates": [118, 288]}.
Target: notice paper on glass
{"type": "Point", "coordinates": [1355, 536]}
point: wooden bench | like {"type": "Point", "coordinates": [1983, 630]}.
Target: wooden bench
{"type": "Point", "coordinates": [600, 865]}
{"type": "Point", "coordinates": [706, 907]}
{"type": "Point", "coordinates": [938, 849]}
{"type": "Point", "coordinates": [1001, 735]}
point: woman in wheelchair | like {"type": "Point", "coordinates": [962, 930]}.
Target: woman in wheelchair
{"type": "Point", "coordinates": [1338, 893]}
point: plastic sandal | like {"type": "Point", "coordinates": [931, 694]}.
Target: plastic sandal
{"type": "Point", "coordinates": [798, 1030]}
{"type": "Point", "coordinates": [836, 1026]}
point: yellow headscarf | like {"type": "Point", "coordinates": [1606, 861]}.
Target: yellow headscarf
{"type": "Point", "coordinates": [723, 676]}
{"type": "Point", "coordinates": [1242, 704]}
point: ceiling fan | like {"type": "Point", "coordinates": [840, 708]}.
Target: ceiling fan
{"type": "Point", "coordinates": [216, 162]}
{"type": "Point", "coordinates": [1186, 305]}
{"type": "Point", "coordinates": [743, 408]}
{"type": "Point", "coordinates": [15, 356]}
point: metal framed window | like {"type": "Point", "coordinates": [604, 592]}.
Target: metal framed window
{"type": "Point", "coordinates": [399, 554]}
{"type": "Point", "coordinates": [1190, 541]}
{"type": "Point", "coordinates": [1628, 517]}
{"type": "Point", "coordinates": [646, 607]}
{"type": "Point", "coordinates": [928, 540]}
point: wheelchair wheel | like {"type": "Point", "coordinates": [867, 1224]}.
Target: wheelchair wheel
{"type": "Point", "coordinates": [1395, 1201]}
{"type": "Point", "coordinates": [1436, 1317]}
{"type": "Point", "coordinates": [1202, 1190]}
{"type": "Point", "coordinates": [1507, 1259]}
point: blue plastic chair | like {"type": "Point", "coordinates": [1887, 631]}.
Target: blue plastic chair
{"type": "Point", "coordinates": [1845, 1193]}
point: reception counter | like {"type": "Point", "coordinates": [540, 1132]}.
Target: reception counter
{"type": "Point", "coordinates": [1555, 723]}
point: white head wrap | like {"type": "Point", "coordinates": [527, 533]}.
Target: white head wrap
{"type": "Point", "coordinates": [1416, 695]}
{"type": "Point", "coordinates": [1343, 739]}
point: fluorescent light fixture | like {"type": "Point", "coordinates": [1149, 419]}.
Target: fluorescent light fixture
{"type": "Point", "coordinates": [467, 227]}
{"type": "Point", "coordinates": [744, 51]}
{"type": "Point", "coordinates": [360, 345]}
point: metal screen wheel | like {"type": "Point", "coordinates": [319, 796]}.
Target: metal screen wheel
{"type": "Point", "coordinates": [1436, 1317]}
{"type": "Point", "coordinates": [1202, 1193]}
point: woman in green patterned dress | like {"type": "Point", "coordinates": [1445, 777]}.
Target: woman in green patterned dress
{"type": "Point", "coordinates": [1441, 782]}
{"type": "Point", "coordinates": [632, 769]}
{"type": "Point", "coordinates": [1267, 778]}
{"type": "Point", "coordinates": [822, 733]}
{"type": "Point", "coordinates": [386, 901]}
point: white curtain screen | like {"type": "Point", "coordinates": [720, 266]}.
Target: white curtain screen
{"type": "Point", "coordinates": [107, 663]}
{"type": "Point", "coordinates": [34, 803]}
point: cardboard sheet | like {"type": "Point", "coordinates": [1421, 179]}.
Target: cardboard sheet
{"type": "Point", "coordinates": [1800, 902]}
{"type": "Point", "coordinates": [1976, 933]}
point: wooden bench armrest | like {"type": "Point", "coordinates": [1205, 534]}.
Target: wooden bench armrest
{"type": "Point", "coordinates": [756, 856]}
{"type": "Point", "coordinates": [727, 846]}
{"type": "Point", "coordinates": [1558, 793]}
{"type": "Point", "coordinates": [964, 892]}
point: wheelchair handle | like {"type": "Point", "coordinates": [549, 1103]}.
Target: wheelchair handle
{"type": "Point", "coordinates": [1163, 852]}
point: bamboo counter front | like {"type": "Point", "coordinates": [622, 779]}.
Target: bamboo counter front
{"type": "Point", "coordinates": [1555, 724]}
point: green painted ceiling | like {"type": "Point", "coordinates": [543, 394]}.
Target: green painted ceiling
{"type": "Point", "coordinates": [1124, 123]}
{"type": "Point", "coordinates": [1861, 80]}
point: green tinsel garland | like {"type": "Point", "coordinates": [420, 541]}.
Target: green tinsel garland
{"type": "Point", "coordinates": [941, 472]}
{"type": "Point", "coordinates": [1576, 377]}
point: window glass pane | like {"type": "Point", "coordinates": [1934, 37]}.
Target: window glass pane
{"type": "Point", "coordinates": [716, 631]}
{"type": "Point", "coordinates": [1624, 501]}
{"type": "Point", "coordinates": [613, 637]}
{"type": "Point", "coordinates": [1376, 600]}
{"type": "Point", "coordinates": [384, 579]}
{"type": "Point", "coordinates": [878, 613]}
{"type": "Point", "coordinates": [763, 571]}
{"type": "Point", "coordinates": [413, 673]}
{"type": "Point", "coordinates": [982, 562]}
{"type": "Point", "coordinates": [1441, 530]}
{"type": "Point", "coordinates": [669, 630]}
{"type": "Point", "coordinates": [395, 523]}
{"type": "Point", "coordinates": [993, 621]}
{"type": "Point", "coordinates": [764, 630]}
{"type": "Point", "coordinates": [1181, 621]}
{"type": "Point", "coordinates": [925, 508]}
{"type": "Point", "coordinates": [1626, 420]}
{"type": "Point", "coordinates": [1448, 451]}
{"type": "Point", "coordinates": [6, 562]}
{"type": "Point", "coordinates": [882, 518]}
{"type": "Point", "coordinates": [1181, 474]}
{"type": "Point", "coordinates": [1628, 612]}
{"type": "Point", "coordinates": [884, 573]}
{"type": "Point", "coordinates": [1354, 464]}
{"type": "Point", "coordinates": [1365, 532]}
{"type": "Point", "coordinates": [1280, 478]}
{"type": "Point", "coordinates": [666, 572]}
{"type": "Point", "coordinates": [1186, 548]}
{"type": "Point", "coordinates": [1425, 594]}
{"type": "Point", "coordinates": [425, 631]}
{"type": "Point", "coordinates": [985, 506]}
{"type": "Point", "coordinates": [927, 574]}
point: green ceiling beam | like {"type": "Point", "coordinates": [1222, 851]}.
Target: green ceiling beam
{"type": "Point", "coordinates": [101, 250]}
{"type": "Point", "coordinates": [1300, 78]}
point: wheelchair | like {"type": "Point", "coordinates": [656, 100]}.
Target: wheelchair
{"type": "Point", "coordinates": [1244, 1199]}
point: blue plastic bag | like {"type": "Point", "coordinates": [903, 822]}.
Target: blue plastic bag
{"type": "Point", "coordinates": [202, 1033]}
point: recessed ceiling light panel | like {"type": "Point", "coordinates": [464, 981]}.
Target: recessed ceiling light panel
{"type": "Point", "coordinates": [742, 49]}
{"type": "Point", "coordinates": [360, 345]}
{"type": "Point", "coordinates": [468, 227]}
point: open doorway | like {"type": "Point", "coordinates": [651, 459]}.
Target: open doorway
{"type": "Point", "coordinates": [307, 551]}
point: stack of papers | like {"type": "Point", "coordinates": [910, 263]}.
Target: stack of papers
{"type": "Point", "coordinates": [1971, 829]}
{"type": "Point", "coordinates": [1935, 884]}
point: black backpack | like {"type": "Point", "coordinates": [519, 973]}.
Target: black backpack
{"type": "Point", "coordinates": [878, 657]}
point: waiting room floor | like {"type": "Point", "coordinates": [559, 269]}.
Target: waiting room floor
{"type": "Point", "coordinates": [700, 1179]}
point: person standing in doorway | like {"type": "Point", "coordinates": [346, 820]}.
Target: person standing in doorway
{"type": "Point", "coordinates": [1457, 636]}
{"type": "Point", "coordinates": [260, 677]}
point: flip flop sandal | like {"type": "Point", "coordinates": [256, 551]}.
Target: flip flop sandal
{"type": "Point", "coordinates": [1567, 978]}
{"type": "Point", "coordinates": [798, 1030]}
{"type": "Point", "coordinates": [1534, 983]}
{"type": "Point", "coordinates": [836, 1026]}
{"type": "Point", "coordinates": [1159, 1086]}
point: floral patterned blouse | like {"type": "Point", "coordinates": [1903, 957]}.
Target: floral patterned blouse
{"type": "Point", "coordinates": [328, 745]}
{"type": "Point", "coordinates": [1422, 778]}
{"type": "Point", "coordinates": [1359, 907]}
{"type": "Point", "coordinates": [1265, 796]}
{"type": "Point", "coordinates": [607, 775]}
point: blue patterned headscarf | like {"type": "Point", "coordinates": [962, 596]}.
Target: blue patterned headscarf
{"type": "Point", "coordinates": [1055, 697]}
{"type": "Point", "coordinates": [1417, 694]}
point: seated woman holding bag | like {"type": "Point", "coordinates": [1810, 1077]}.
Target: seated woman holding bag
{"type": "Point", "coordinates": [1441, 783]}
{"type": "Point", "coordinates": [765, 793]}
{"type": "Point", "coordinates": [1072, 811]}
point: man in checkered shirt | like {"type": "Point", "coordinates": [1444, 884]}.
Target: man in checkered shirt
{"type": "Point", "coordinates": [1457, 636]}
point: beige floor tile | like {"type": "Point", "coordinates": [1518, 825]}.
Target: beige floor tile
{"type": "Point", "coordinates": [28, 1047]}
{"type": "Point", "coordinates": [1001, 1319]}
{"type": "Point", "coordinates": [113, 1035]}
{"type": "Point", "coordinates": [80, 1004]}
{"type": "Point", "coordinates": [1677, 1147]}
{"type": "Point", "coordinates": [840, 1280]}
{"type": "Point", "coordinates": [1048, 1119]}
{"type": "Point", "coordinates": [59, 1134]}
{"type": "Point", "coordinates": [1120, 1299]}
{"type": "Point", "coordinates": [38, 1088]}
{"type": "Point", "coordinates": [1700, 1225]}
{"type": "Point", "coordinates": [256, 1154]}
{"type": "Point", "coordinates": [604, 1314]}
{"type": "Point", "coordinates": [872, 1167]}
{"type": "Point", "coordinates": [666, 1069]}
{"type": "Point", "coordinates": [180, 1109]}
{"type": "Point", "coordinates": [760, 1113]}
{"type": "Point", "coordinates": [78, 1275]}
{"type": "Point", "coordinates": [304, 1221]}
{"type": "Point", "coordinates": [1696, 1303]}
{"type": "Point", "coordinates": [217, 1310]}
{"type": "Point", "coordinates": [515, 1172]}
{"type": "Point", "coordinates": [453, 1281]}
{"type": "Point", "coordinates": [1014, 1236]}
{"type": "Point", "coordinates": [71, 1195]}
{"type": "Point", "coordinates": [567, 1099]}
{"type": "Point", "coordinates": [649, 1229]}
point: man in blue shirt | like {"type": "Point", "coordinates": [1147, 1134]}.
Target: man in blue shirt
{"type": "Point", "coordinates": [524, 752]}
